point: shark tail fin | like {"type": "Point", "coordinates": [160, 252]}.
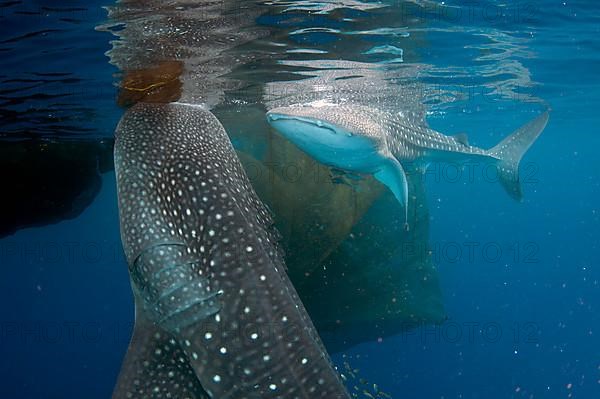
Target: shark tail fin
{"type": "Point", "coordinates": [510, 151]}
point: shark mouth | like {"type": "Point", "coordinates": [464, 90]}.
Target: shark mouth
{"type": "Point", "coordinates": [278, 117]}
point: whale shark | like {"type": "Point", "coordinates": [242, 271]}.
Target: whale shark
{"type": "Point", "coordinates": [363, 139]}
{"type": "Point", "coordinates": [216, 315]}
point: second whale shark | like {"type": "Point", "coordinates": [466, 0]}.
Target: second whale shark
{"type": "Point", "coordinates": [363, 139]}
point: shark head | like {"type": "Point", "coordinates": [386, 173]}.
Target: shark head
{"type": "Point", "coordinates": [348, 137]}
{"type": "Point", "coordinates": [335, 135]}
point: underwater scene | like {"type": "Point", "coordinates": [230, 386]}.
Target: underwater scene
{"type": "Point", "coordinates": [299, 199]}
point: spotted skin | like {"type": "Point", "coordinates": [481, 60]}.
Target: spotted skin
{"type": "Point", "coordinates": [156, 367]}
{"type": "Point", "coordinates": [390, 140]}
{"type": "Point", "coordinates": [206, 271]}
{"type": "Point", "coordinates": [402, 134]}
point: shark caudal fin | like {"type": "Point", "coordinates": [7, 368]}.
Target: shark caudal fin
{"type": "Point", "coordinates": [510, 151]}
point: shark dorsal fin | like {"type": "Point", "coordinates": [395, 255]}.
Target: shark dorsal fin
{"type": "Point", "coordinates": [461, 138]}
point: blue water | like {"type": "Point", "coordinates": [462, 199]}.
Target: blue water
{"type": "Point", "coordinates": [521, 281]}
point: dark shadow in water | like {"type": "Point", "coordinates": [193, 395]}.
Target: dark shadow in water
{"type": "Point", "coordinates": [343, 248]}
{"type": "Point", "coordinates": [49, 181]}
{"type": "Point", "coordinates": [360, 275]}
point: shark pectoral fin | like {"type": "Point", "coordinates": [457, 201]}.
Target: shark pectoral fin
{"type": "Point", "coordinates": [149, 370]}
{"type": "Point", "coordinates": [173, 287]}
{"type": "Point", "coordinates": [393, 176]}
